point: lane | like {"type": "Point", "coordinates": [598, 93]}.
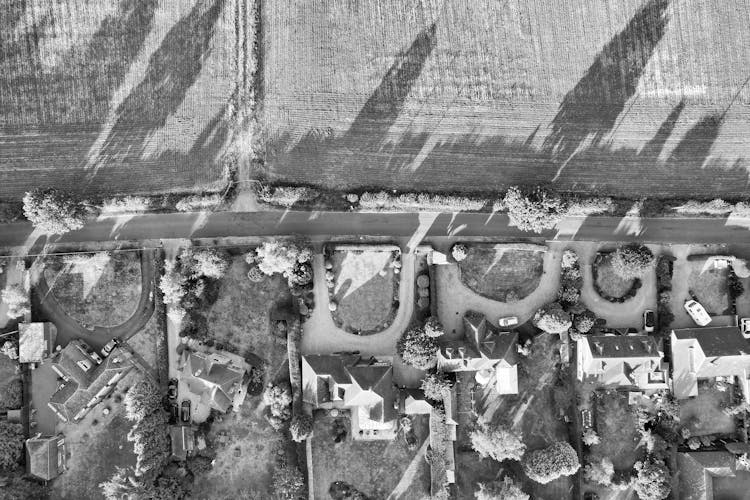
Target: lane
{"type": "Point", "coordinates": [462, 225]}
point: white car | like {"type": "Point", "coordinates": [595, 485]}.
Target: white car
{"type": "Point", "coordinates": [697, 312]}
{"type": "Point", "coordinates": [507, 321]}
{"type": "Point", "coordinates": [95, 357]}
{"type": "Point", "coordinates": [108, 347]}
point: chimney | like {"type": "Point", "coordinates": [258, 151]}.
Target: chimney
{"type": "Point", "coordinates": [462, 352]}
{"type": "Point", "coordinates": [647, 346]}
{"type": "Point", "coordinates": [449, 352]}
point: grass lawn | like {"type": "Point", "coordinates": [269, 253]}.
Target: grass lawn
{"type": "Point", "coordinates": [95, 450]}
{"type": "Point", "coordinates": [495, 271]}
{"type": "Point", "coordinates": [240, 316]}
{"type": "Point", "coordinates": [376, 468]}
{"type": "Point", "coordinates": [608, 282]}
{"type": "Point", "coordinates": [617, 428]}
{"type": "Point", "coordinates": [146, 341]}
{"type": "Point", "coordinates": [96, 289]}
{"type": "Point", "coordinates": [709, 285]}
{"type": "Point", "coordinates": [365, 288]}
{"type": "Point", "coordinates": [8, 372]}
{"type": "Point", "coordinates": [703, 414]}
{"type": "Point", "coordinates": [543, 392]}
{"type": "Point", "coordinates": [249, 474]}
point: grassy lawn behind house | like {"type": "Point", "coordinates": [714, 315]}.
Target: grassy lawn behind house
{"type": "Point", "coordinates": [703, 414]}
{"type": "Point", "coordinates": [494, 271]}
{"type": "Point", "coordinates": [616, 425]}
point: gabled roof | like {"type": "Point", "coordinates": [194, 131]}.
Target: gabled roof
{"type": "Point", "coordinates": [42, 457]}
{"type": "Point", "coordinates": [697, 470]}
{"type": "Point", "coordinates": [623, 346]}
{"type": "Point", "coordinates": [213, 377]}
{"type": "Point", "coordinates": [717, 340]}
{"type": "Point", "coordinates": [482, 347]}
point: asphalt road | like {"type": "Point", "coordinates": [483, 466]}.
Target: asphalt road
{"type": "Point", "coordinates": [397, 225]}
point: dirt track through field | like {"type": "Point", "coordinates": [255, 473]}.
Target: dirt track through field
{"type": "Point", "coordinates": [121, 97]}
{"type": "Point", "coordinates": [639, 97]}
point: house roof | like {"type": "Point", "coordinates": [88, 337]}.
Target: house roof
{"type": "Point", "coordinates": [213, 377]}
{"type": "Point", "coordinates": [707, 353]}
{"type": "Point", "coordinates": [413, 402]}
{"type": "Point", "coordinates": [697, 470]}
{"type": "Point", "coordinates": [366, 383]}
{"type": "Point", "coordinates": [42, 458]}
{"type": "Point", "coordinates": [623, 346]}
{"type": "Point", "coordinates": [482, 347]}
{"type": "Point", "coordinates": [35, 341]}
{"type": "Point", "coordinates": [83, 386]}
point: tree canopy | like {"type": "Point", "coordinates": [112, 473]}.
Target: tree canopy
{"type": "Point", "coordinates": [653, 481]}
{"type": "Point", "coordinates": [417, 349]}
{"type": "Point", "coordinates": [497, 442]}
{"type": "Point", "coordinates": [632, 261]}
{"type": "Point", "coordinates": [11, 444]}
{"type": "Point", "coordinates": [547, 464]}
{"type": "Point", "coordinates": [552, 318]}
{"type": "Point", "coordinates": [53, 211]}
{"type": "Point", "coordinates": [507, 489]}
{"type": "Point", "coordinates": [536, 210]}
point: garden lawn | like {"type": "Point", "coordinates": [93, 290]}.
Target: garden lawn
{"type": "Point", "coordinates": [249, 474]}
{"type": "Point", "coordinates": [608, 282]}
{"type": "Point", "coordinates": [146, 342]}
{"type": "Point", "coordinates": [709, 284]}
{"type": "Point", "coordinates": [239, 318]}
{"type": "Point", "coordinates": [703, 415]}
{"type": "Point", "coordinates": [617, 428]}
{"type": "Point", "coordinates": [502, 272]}
{"type": "Point", "coordinates": [8, 372]}
{"type": "Point", "coordinates": [365, 289]}
{"type": "Point", "coordinates": [376, 468]}
{"type": "Point", "coordinates": [98, 289]}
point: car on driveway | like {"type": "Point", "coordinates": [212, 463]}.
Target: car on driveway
{"type": "Point", "coordinates": [507, 321]}
{"type": "Point", "coordinates": [649, 321]}
{"type": "Point", "coordinates": [185, 411]}
{"type": "Point", "coordinates": [108, 347]}
{"type": "Point", "coordinates": [172, 390]}
{"type": "Point", "coordinates": [95, 357]}
{"type": "Point", "coordinates": [697, 312]}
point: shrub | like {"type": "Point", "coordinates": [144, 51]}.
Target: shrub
{"type": "Point", "coordinates": [125, 205]}
{"type": "Point", "coordinates": [417, 349]}
{"type": "Point", "coordinates": [301, 427]}
{"type": "Point", "coordinates": [536, 210]}
{"type": "Point", "coordinates": [506, 489]}
{"type": "Point", "coordinates": [435, 385]}
{"type": "Point", "coordinates": [735, 286]}
{"type": "Point", "coordinates": [339, 490]}
{"type": "Point", "coordinates": [433, 327]}
{"type": "Point", "coordinates": [53, 211]}
{"type": "Point", "coordinates": [204, 263]}
{"type": "Point", "coordinates": [585, 321]}
{"type": "Point", "coordinates": [568, 295]}
{"type": "Point", "coordinates": [276, 257]}
{"type": "Point", "coordinates": [17, 300]}
{"type": "Point", "coordinates": [10, 349]}
{"type": "Point", "coordinates": [199, 464]}
{"type": "Point", "coordinates": [552, 318]}
{"type": "Point", "coordinates": [459, 251]}
{"type": "Point", "coordinates": [569, 260]}
{"type": "Point", "coordinates": [278, 398]}
{"type": "Point", "coordinates": [499, 443]}
{"type": "Point", "coordinates": [141, 399]}
{"type": "Point", "coordinates": [653, 481]}
{"type": "Point", "coordinates": [287, 196]}
{"type": "Point", "coordinates": [545, 465]}
{"type": "Point", "coordinates": [288, 482]}
{"type": "Point", "coordinates": [590, 437]}
{"type": "Point", "coordinates": [255, 274]}
{"type": "Point", "coordinates": [198, 202]}
{"type": "Point", "coordinates": [11, 395]}
{"type": "Point", "coordinates": [383, 200]}
{"type": "Point", "coordinates": [600, 472]}
{"type": "Point", "coordinates": [632, 261]}
{"type": "Point", "coordinates": [301, 275]}
{"type": "Point", "coordinates": [582, 207]}
{"type": "Point", "coordinates": [172, 284]}
{"type": "Point", "coordinates": [11, 444]}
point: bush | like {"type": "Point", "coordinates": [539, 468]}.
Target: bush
{"type": "Point", "coordinates": [301, 275]}
{"type": "Point", "coordinates": [433, 327]}
{"type": "Point", "coordinates": [11, 395]}
{"type": "Point", "coordinates": [632, 261]}
{"type": "Point", "coordinates": [653, 481]}
{"type": "Point", "coordinates": [11, 444]}
{"type": "Point", "coordinates": [499, 443]}
{"type": "Point", "coordinates": [53, 211]}
{"type": "Point", "coordinates": [459, 251]}
{"type": "Point", "coordinates": [545, 465]}
{"type": "Point", "coordinates": [172, 284]}
{"type": "Point", "coordinates": [506, 489]}
{"type": "Point", "coordinates": [141, 399]}
{"type": "Point", "coordinates": [10, 349]}
{"type": "Point", "coordinates": [204, 263]}
{"type": "Point", "coordinates": [287, 196]}
{"type": "Point", "coordinates": [590, 437]}
{"type": "Point", "coordinates": [125, 205]}
{"type": "Point", "coordinates": [735, 286]}
{"type": "Point", "coordinates": [417, 349]}
{"type": "Point", "coordinates": [278, 399]}
{"type": "Point", "coordinates": [536, 210]}
{"type": "Point", "coordinates": [435, 385]}
{"type": "Point", "coordinates": [198, 202]}
{"type": "Point", "coordinates": [301, 427]}
{"type": "Point", "coordinates": [17, 300]}
{"type": "Point", "coordinates": [288, 482]}
{"type": "Point", "coordinates": [585, 321]}
{"type": "Point", "coordinates": [383, 200]}
{"type": "Point", "coordinates": [339, 490]}
{"type": "Point", "coordinates": [277, 257]}
{"type": "Point", "coordinates": [552, 318]}
{"type": "Point", "coordinates": [199, 464]}
{"type": "Point", "coordinates": [255, 274]}
{"type": "Point", "coordinates": [600, 472]}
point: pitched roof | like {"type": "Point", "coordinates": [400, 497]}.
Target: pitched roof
{"type": "Point", "coordinates": [213, 377]}
{"type": "Point", "coordinates": [623, 346]}
{"type": "Point", "coordinates": [482, 347]}
{"type": "Point", "coordinates": [697, 470]}
{"type": "Point", "coordinates": [35, 341]}
{"type": "Point", "coordinates": [42, 457]}
{"type": "Point", "coordinates": [84, 386]}
{"type": "Point", "coordinates": [717, 340]}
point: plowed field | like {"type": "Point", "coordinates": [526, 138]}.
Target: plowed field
{"type": "Point", "coordinates": [634, 97]}
{"type": "Point", "coordinates": [119, 96]}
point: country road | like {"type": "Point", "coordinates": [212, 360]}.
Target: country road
{"type": "Point", "coordinates": [398, 225]}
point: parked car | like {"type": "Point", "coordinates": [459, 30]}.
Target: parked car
{"type": "Point", "coordinates": [586, 420]}
{"type": "Point", "coordinates": [108, 347]}
{"type": "Point", "coordinates": [185, 411]}
{"type": "Point", "coordinates": [745, 327]}
{"type": "Point", "coordinates": [649, 321]}
{"type": "Point", "coordinates": [697, 312]}
{"type": "Point", "coordinates": [174, 411]}
{"type": "Point", "coordinates": [172, 390]}
{"type": "Point", "coordinates": [507, 321]}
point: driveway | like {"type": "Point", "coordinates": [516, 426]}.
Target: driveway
{"type": "Point", "coordinates": [49, 309]}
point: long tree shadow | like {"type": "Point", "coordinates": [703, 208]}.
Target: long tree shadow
{"type": "Point", "coordinates": [591, 108]}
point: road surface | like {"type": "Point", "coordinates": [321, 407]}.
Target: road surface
{"type": "Point", "coordinates": [397, 225]}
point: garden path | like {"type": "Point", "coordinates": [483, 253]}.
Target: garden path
{"type": "Point", "coordinates": [455, 298]}
{"type": "Point", "coordinates": [322, 336]}
{"type": "Point", "coordinates": [626, 314]}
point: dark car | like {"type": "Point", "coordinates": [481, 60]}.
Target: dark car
{"type": "Point", "coordinates": [172, 390]}
{"type": "Point", "coordinates": [174, 413]}
{"type": "Point", "coordinates": [185, 411]}
{"type": "Point", "coordinates": [649, 321]}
